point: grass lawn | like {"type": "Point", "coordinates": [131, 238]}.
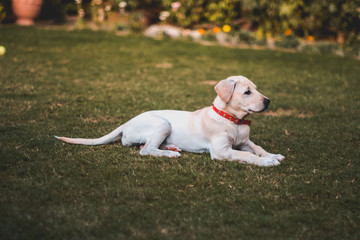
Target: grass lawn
{"type": "Point", "coordinates": [85, 84]}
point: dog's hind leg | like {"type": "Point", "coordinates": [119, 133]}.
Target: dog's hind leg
{"type": "Point", "coordinates": [153, 142]}
{"type": "Point", "coordinates": [150, 130]}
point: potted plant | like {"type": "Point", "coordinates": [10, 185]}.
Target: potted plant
{"type": "Point", "coordinates": [26, 11]}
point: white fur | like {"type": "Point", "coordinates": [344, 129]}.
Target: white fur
{"type": "Point", "coordinates": [167, 132]}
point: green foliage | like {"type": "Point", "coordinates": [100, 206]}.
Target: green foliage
{"type": "Point", "coordinates": [190, 13]}
{"type": "Point", "coordinates": [327, 48]}
{"type": "Point", "coordinates": [316, 18]}
{"type": "Point", "coordinates": [209, 36]}
{"type": "Point", "coordinates": [320, 48]}
{"type": "Point", "coordinates": [221, 12]}
{"type": "Point", "coordinates": [264, 14]}
{"type": "Point", "coordinates": [288, 42]}
{"type": "Point", "coordinates": [340, 15]}
{"type": "Point", "coordinates": [246, 37]}
{"type": "Point", "coordinates": [305, 17]}
{"type": "Point", "coordinates": [56, 10]}
{"type": "Point", "coordinates": [6, 11]}
{"type": "Point", "coordinates": [136, 21]}
{"type": "Point", "coordinates": [142, 4]}
{"type": "Point", "coordinates": [2, 12]}
{"type": "Point", "coordinates": [193, 12]}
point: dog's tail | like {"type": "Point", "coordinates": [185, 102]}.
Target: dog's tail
{"type": "Point", "coordinates": [111, 137]}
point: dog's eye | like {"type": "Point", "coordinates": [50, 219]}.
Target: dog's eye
{"type": "Point", "coordinates": [248, 92]}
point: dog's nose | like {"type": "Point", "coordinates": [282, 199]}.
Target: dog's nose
{"type": "Point", "coordinates": [266, 103]}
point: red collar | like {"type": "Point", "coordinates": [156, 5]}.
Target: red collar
{"type": "Point", "coordinates": [231, 118]}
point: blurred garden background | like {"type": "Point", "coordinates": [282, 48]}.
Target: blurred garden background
{"type": "Point", "coordinates": [318, 26]}
{"type": "Point", "coordinates": [82, 68]}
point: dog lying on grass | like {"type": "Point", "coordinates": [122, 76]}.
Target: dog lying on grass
{"type": "Point", "coordinates": [220, 130]}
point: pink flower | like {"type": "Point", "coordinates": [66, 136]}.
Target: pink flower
{"type": "Point", "coordinates": [164, 15]}
{"type": "Point", "coordinates": [175, 6]}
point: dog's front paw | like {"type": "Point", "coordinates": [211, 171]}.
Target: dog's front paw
{"type": "Point", "coordinates": [268, 162]}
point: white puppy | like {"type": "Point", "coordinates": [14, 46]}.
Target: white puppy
{"type": "Point", "coordinates": [220, 129]}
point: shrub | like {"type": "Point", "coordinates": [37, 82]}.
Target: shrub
{"type": "Point", "coordinates": [311, 48]}
{"type": "Point", "coordinates": [327, 48]}
{"type": "Point", "coordinates": [209, 36]}
{"type": "Point", "coordinates": [320, 48]}
{"type": "Point", "coordinates": [190, 12]}
{"type": "Point", "coordinates": [221, 12]}
{"type": "Point", "coordinates": [2, 12]}
{"type": "Point", "coordinates": [56, 10]}
{"type": "Point", "coordinates": [288, 41]}
{"type": "Point", "coordinates": [246, 37]}
{"type": "Point", "coordinates": [352, 46]}
{"type": "Point", "coordinates": [136, 21]}
{"type": "Point", "coordinates": [316, 18]}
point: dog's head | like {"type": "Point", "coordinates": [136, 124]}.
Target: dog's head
{"type": "Point", "coordinates": [240, 97]}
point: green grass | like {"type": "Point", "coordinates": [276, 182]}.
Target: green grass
{"type": "Point", "coordinates": [85, 84]}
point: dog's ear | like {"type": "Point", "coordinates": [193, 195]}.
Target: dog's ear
{"type": "Point", "coordinates": [225, 89]}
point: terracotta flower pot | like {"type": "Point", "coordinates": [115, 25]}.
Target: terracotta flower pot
{"type": "Point", "coordinates": [26, 11]}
